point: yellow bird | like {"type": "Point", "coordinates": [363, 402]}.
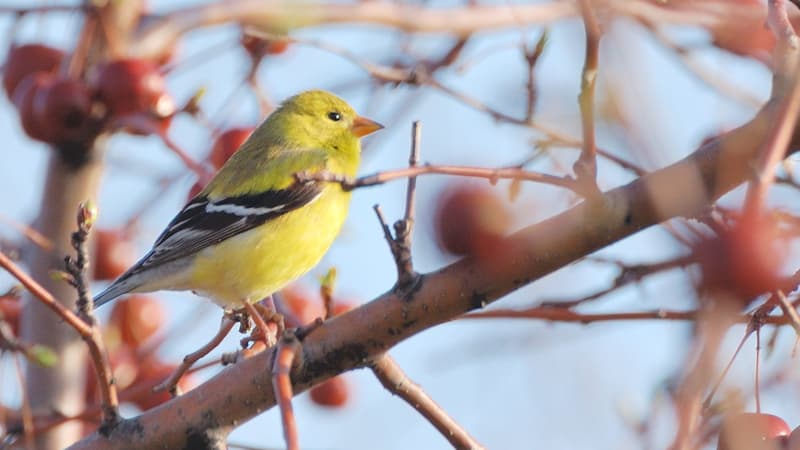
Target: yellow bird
{"type": "Point", "coordinates": [254, 228]}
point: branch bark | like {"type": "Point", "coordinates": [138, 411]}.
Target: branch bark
{"type": "Point", "coordinates": [352, 340]}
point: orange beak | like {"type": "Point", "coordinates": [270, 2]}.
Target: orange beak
{"type": "Point", "coordinates": [363, 126]}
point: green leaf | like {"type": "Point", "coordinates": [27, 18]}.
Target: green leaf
{"type": "Point", "coordinates": [42, 355]}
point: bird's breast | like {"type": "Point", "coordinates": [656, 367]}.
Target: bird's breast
{"type": "Point", "coordinates": [260, 261]}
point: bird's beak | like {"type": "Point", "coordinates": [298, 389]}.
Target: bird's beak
{"type": "Point", "coordinates": [363, 126]}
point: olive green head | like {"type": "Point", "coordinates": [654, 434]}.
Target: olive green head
{"type": "Point", "coordinates": [319, 119]}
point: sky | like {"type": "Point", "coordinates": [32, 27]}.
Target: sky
{"type": "Point", "coordinates": [511, 384]}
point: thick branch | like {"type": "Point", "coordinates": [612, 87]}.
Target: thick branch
{"type": "Point", "coordinates": [355, 338]}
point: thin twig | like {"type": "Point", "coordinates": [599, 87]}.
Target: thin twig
{"type": "Point", "coordinates": [387, 232]}
{"type": "Point", "coordinates": [27, 415]}
{"type": "Point", "coordinates": [404, 228]}
{"type": "Point", "coordinates": [418, 75]}
{"type": "Point", "coordinates": [90, 334]}
{"type": "Point", "coordinates": [397, 382]}
{"type": "Point", "coordinates": [569, 316]}
{"type": "Point", "coordinates": [284, 357]}
{"type": "Point", "coordinates": [171, 383]}
{"type": "Point", "coordinates": [281, 368]}
{"type": "Point", "coordinates": [628, 275]}
{"type": "Point", "coordinates": [35, 353]}
{"type": "Point", "coordinates": [87, 214]}
{"type": "Point", "coordinates": [585, 167]}
{"type": "Point", "coordinates": [787, 55]}
{"type": "Point", "coordinates": [757, 378]}
{"type": "Point", "coordinates": [29, 232]}
{"type": "Point", "coordinates": [145, 123]}
{"type": "Point", "coordinates": [566, 315]}
{"type": "Point", "coordinates": [714, 80]}
{"type": "Point", "coordinates": [326, 288]}
{"type": "Point", "coordinates": [531, 58]}
{"type": "Point", "coordinates": [715, 387]}
{"type": "Point", "coordinates": [78, 60]}
{"type": "Point", "coordinates": [400, 242]}
{"type": "Point", "coordinates": [511, 173]}
{"type": "Point", "coordinates": [789, 311]}
{"type": "Point", "coordinates": [43, 295]}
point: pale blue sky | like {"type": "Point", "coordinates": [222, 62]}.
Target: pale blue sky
{"type": "Point", "coordinates": [513, 385]}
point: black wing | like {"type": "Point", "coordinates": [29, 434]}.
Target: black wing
{"type": "Point", "coordinates": [203, 222]}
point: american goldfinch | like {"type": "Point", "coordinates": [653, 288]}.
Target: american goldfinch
{"type": "Point", "coordinates": [254, 228]}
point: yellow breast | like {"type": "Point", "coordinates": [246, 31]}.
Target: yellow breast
{"type": "Point", "coordinates": [256, 263]}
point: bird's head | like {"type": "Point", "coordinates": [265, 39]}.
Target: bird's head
{"type": "Point", "coordinates": [319, 119]}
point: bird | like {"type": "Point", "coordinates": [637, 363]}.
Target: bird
{"type": "Point", "coordinates": [256, 227]}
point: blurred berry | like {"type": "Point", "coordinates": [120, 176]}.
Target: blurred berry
{"type": "Point", "coordinates": [26, 60]}
{"type": "Point", "coordinates": [10, 311]}
{"type": "Point", "coordinates": [136, 319]}
{"type": "Point", "coordinates": [471, 219]}
{"type": "Point", "coordinates": [227, 143]}
{"type": "Point", "coordinates": [153, 372]}
{"type": "Point", "coordinates": [743, 260]}
{"type": "Point", "coordinates": [332, 393]}
{"type": "Point", "coordinates": [114, 254]}
{"type": "Point", "coordinates": [128, 86]}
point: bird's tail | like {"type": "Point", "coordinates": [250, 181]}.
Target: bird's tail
{"type": "Point", "coordinates": [119, 287]}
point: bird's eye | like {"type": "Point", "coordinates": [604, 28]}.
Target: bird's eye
{"type": "Point", "coordinates": [334, 116]}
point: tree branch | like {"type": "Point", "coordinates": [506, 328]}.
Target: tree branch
{"type": "Point", "coordinates": [397, 382]}
{"type": "Point", "coordinates": [356, 338]}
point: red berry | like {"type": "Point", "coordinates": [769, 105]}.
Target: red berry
{"type": "Point", "coordinates": [152, 373]}
{"type": "Point", "coordinates": [194, 190]}
{"type": "Point", "coordinates": [332, 393]}
{"type": "Point", "coordinates": [277, 46]}
{"type": "Point", "coordinates": [794, 440]}
{"type": "Point", "coordinates": [114, 254]}
{"type": "Point", "coordinates": [10, 311]}
{"type": "Point", "coordinates": [130, 86]}
{"type": "Point", "coordinates": [62, 108]}
{"type": "Point", "coordinates": [24, 98]}
{"type": "Point", "coordinates": [341, 307]}
{"type": "Point", "coordinates": [258, 47]}
{"type": "Point", "coordinates": [136, 319]}
{"type": "Point", "coordinates": [471, 219]}
{"type": "Point", "coordinates": [28, 59]}
{"type": "Point", "coordinates": [227, 143]}
{"type": "Point", "coordinates": [744, 260]}
{"type": "Point", "coordinates": [752, 431]}
{"type": "Point", "coordinates": [302, 304]}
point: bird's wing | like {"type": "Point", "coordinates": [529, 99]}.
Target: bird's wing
{"type": "Point", "coordinates": [204, 222]}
